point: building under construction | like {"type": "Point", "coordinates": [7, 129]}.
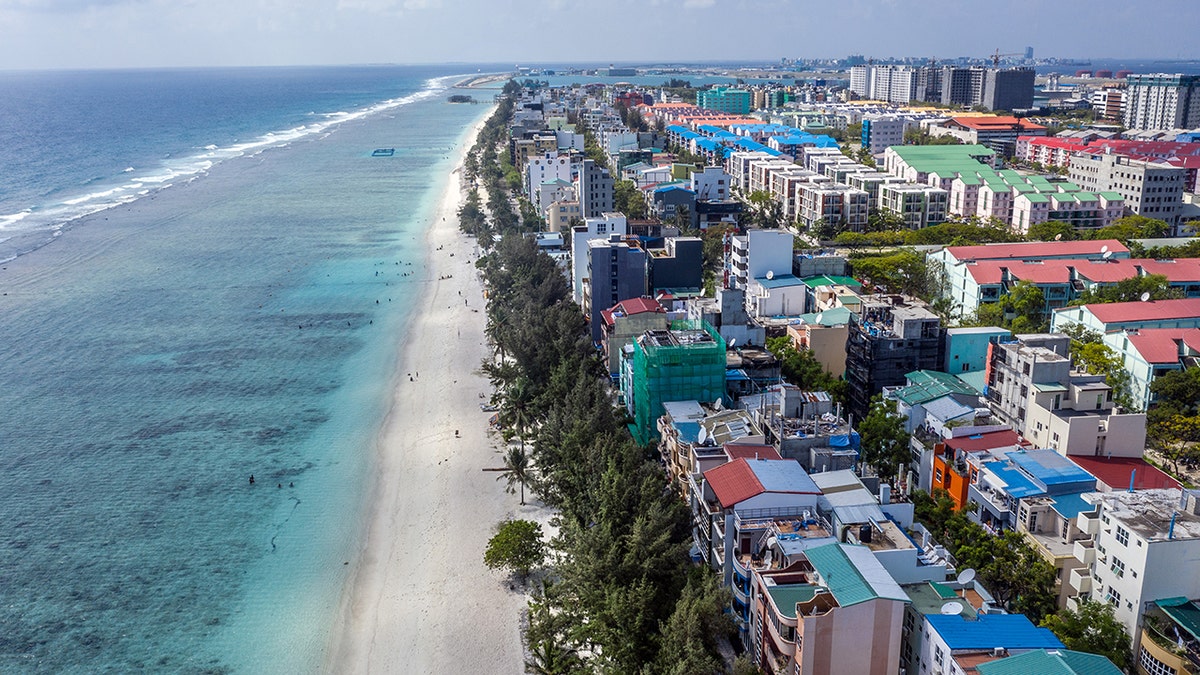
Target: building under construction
{"type": "Point", "coordinates": [683, 363]}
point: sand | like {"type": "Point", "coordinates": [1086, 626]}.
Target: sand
{"type": "Point", "coordinates": [420, 599]}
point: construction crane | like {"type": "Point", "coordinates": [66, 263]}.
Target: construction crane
{"type": "Point", "coordinates": [997, 56]}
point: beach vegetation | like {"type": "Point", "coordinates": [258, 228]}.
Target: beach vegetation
{"type": "Point", "coordinates": [517, 546]}
{"type": "Point", "coordinates": [621, 560]}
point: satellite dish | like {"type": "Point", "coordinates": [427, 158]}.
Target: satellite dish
{"type": "Point", "coordinates": [732, 341]}
{"type": "Point", "coordinates": [770, 274]}
{"type": "Point", "coordinates": [1145, 296]}
{"type": "Point", "coordinates": [1058, 237]}
{"type": "Point", "coordinates": [1107, 254]}
{"type": "Point", "coordinates": [702, 436]}
{"type": "Point", "coordinates": [819, 317]}
{"type": "Point", "coordinates": [966, 576]}
{"type": "Point", "coordinates": [952, 608]}
{"type": "Point", "coordinates": [1104, 248]}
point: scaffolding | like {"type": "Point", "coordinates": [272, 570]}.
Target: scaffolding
{"type": "Point", "coordinates": [684, 363]}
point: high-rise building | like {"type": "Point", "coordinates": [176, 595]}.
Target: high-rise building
{"type": "Point", "coordinates": [1150, 189]}
{"type": "Point", "coordinates": [725, 100]}
{"type": "Point", "coordinates": [1008, 89]}
{"type": "Point", "coordinates": [594, 187]}
{"type": "Point", "coordinates": [1162, 101]}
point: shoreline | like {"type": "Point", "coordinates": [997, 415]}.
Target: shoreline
{"type": "Point", "coordinates": [419, 599]}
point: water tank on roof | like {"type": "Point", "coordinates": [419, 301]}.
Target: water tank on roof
{"type": "Point", "coordinates": [864, 533]}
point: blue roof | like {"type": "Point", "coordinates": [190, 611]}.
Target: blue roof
{"type": "Point", "coordinates": [1019, 485]}
{"type": "Point", "coordinates": [988, 631]}
{"type": "Point", "coordinates": [1050, 468]}
{"type": "Point", "coordinates": [707, 144]}
{"type": "Point", "coordinates": [1070, 506]}
{"type": "Point", "coordinates": [672, 186]}
{"type": "Point", "coordinates": [782, 476]}
{"type": "Point", "coordinates": [678, 129]}
{"type": "Point", "coordinates": [689, 432]}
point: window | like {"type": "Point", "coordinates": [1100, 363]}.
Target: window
{"type": "Point", "coordinates": [1118, 567]}
{"type": "Point", "coordinates": [1153, 666]}
{"type": "Point", "coordinates": [1122, 536]}
{"type": "Point", "coordinates": [938, 655]}
{"type": "Point", "coordinates": [1113, 597]}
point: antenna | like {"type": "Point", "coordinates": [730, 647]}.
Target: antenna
{"type": "Point", "coordinates": [952, 608]}
{"type": "Point", "coordinates": [1145, 296]}
{"type": "Point", "coordinates": [770, 274]}
{"type": "Point", "coordinates": [966, 576]}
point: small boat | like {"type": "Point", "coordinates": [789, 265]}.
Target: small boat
{"type": "Point", "coordinates": [383, 152]}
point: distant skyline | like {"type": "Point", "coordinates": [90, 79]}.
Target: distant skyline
{"type": "Point", "coordinates": [167, 33]}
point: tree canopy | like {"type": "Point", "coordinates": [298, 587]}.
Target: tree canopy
{"type": "Point", "coordinates": [517, 546]}
{"type": "Point", "coordinates": [884, 440]}
{"type": "Point", "coordinates": [1094, 629]}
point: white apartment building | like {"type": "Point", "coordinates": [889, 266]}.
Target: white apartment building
{"type": "Point", "coordinates": [1162, 101]}
{"type": "Point", "coordinates": [711, 184]}
{"type": "Point", "coordinates": [756, 253]}
{"type": "Point", "coordinates": [1149, 188]}
{"type": "Point", "coordinates": [832, 203]}
{"type": "Point", "coordinates": [593, 228]}
{"type": "Point", "coordinates": [879, 132]}
{"type": "Point", "coordinates": [1144, 546]}
{"type": "Point", "coordinates": [919, 205]}
{"type": "Point", "coordinates": [544, 169]}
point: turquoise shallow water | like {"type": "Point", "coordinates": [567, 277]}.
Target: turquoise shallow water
{"type": "Point", "coordinates": [158, 354]}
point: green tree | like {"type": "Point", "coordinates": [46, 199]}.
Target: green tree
{"type": "Point", "coordinates": [517, 470]}
{"type": "Point", "coordinates": [1132, 227]}
{"type": "Point", "coordinates": [1022, 309]}
{"type": "Point", "coordinates": [1094, 629]}
{"type": "Point", "coordinates": [884, 440]}
{"type": "Point", "coordinates": [517, 546]}
{"type": "Point", "coordinates": [801, 368]}
{"type": "Point", "coordinates": [628, 199]}
{"type": "Point", "coordinates": [1017, 575]}
{"type": "Point", "coordinates": [742, 665]}
{"type": "Point", "coordinates": [764, 210]}
{"type": "Point", "coordinates": [690, 635]}
{"type": "Point", "coordinates": [1153, 286]}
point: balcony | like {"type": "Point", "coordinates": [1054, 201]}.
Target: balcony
{"type": "Point", "coordinates": [1081, 580]}
{"type": "Point", "coordinates": [1085, 551]}
{"type": "Point", "coordinates": [1089, 522]}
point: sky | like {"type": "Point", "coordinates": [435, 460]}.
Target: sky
{"type": "Point", "coordinates": [39, 34]}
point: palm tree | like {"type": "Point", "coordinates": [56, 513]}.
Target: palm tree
{"type": "Point", "coordinates": [547, 657]}
{"type": "Point", "coordinates": [517, 470]}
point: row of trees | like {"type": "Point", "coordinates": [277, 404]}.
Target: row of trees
{"type": "Point", "coordinates": [888, 229]}
{"type": "Point", "coordinates": [625, 596]}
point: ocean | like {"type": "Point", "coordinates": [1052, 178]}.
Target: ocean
{"type": "Point", "coordinates": [205, 276]}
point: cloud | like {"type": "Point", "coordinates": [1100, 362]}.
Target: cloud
{"type": "Point", "coordinates": [62, 6]}
{"type": "Point", "coordinates": [698, 4]}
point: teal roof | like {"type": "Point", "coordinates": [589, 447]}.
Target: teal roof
{"type": "Point", "coordinates": [1037, 198]}
{"type": "Point", "coordinates": [1183, 612]}
{"type": "Point", "coordinates": [831, 317]}
{"type": "Point", "coordinates": [943, 159]}
{"type": "Point", "coordinates": [1056, 662]}
{"type": "Point", "coordinates": [830, 280]}
{"type": "Point", "coordinates": [853, 575]}
{"type": "Point", "coordinates": [927, 385]}
{"type": "Point", "coordinates": [786, 597]}
{"type": "Point", "coordinates": [1111, 195]}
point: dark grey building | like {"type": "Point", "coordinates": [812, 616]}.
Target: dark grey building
{"type": "Point", "coordinates": [884, 345]}
{"type": "Point", "coordinates": [617, 270]}
{"type": "Point", "coordinates": [679, 264]}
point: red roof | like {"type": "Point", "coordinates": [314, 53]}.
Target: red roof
{"type": "Point", "coordinates": [1161, 345]}
{"type": "Point", "coordinates": [988, 441]}
{"type": "Point", "coordinates": [1127, 312]}
{"type": "Point", "coordinates": [1053, 142]}
{"type": "Point", "coordinates": [1115, 471]}
{"type": "Point", "coordinates": [1058, 270]}
{"type": "Point", "coordinates": [997, 123]}
{"type": "Point", "coordinates": [630, 307]}
{"type": "Point", "coordinates": [1036, 250]}
{"type": "Point", "coordinates": [733, 483]}
{"type": "Point", "coordinates": [1179, 270]}
{"type": "Point", "coordinates": [748, 451]}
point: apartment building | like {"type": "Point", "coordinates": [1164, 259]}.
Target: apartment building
{"type": "Point", "coordinates": [1149, 353]}
{"type": "Point", "coordinates": [1116, 316]}
{"type": "Point", "coordinates": [879, 132]}
{"type": "Point", "coordinates": [885, 343]}
{"type": "Point", "coordinates": [756, 253]}
{"type": "Point", "coordinates": [918, 205]}
{"type": "Point", "coordinates": [1140, 541]}
{"type": "Point", "coordinates": [832, 203]}
{"type": "Point", "coordinates": [617, 269]}
{"type": "Point", "coordinates": [594, 187]}
{"type": "Point", "coordinates": [593, 228]}
{"type": "Point", "coordinates": [835, 611]}
{"type": "Point", "coordinates": [1162, 101]}
{"type": "Point", "coordinates": [1151, 189]}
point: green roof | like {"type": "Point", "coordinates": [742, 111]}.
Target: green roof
{"type": "Point", "coordinates": [930, 597]}
{"type": "Point", "coordinates": [927, 385]}
{"type": "Point", "coordinates": [1056, 662]}
{"type": "Point", "coordinates": [845, 578]}
{"type": "Point", "coordinates": [1086, 197]}
{"type": "Point", "coordinates": [1069, 187]}
{"type": "Point", "coordinates": [1183, 612]}
{"type": "Point", "coordinates": [944, 159]}
{"type": "Point", "coordinates": [1049, 386]}
{"type": "Point", "coordinates": [830, 280]}
{"type": "Point", "coordinates": [1037, 197]}
{"type": "Point", "coordinates": [831, 317]}
{"type": "Point", "coordinates": [1111, 195]}
{"type": "Point", "coordinates": [786, 597]}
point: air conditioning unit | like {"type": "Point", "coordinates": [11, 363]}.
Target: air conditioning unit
{"type": "Point", "coordinates": [999, 651]}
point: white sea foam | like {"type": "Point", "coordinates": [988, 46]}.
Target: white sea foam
{"type": "Point", "coordinates": [136, 184]}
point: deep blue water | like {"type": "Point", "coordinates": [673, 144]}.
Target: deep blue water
{"type": "Point", "coordinates": [235, 313]}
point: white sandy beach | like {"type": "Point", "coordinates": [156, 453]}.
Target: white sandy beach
{"type": "Point", "coordinates": [421, 600]}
